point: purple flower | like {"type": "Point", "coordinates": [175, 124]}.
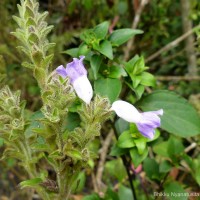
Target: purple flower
{"type": "Point", "coordinates": [77, 74]}
{"type": "Point", "coordinates": [146, 122]}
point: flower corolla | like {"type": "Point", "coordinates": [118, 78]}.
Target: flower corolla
{"type": "Point", "coordinates": [77, 74]}
{"type": "Point", "coordinates": [146, 122]}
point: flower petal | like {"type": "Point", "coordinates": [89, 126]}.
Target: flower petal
{"type": "Point", "coordinates": [75, 69]}
{"type": "Point", "coordinates": [146, 130]}
{"type": "Point", "coordinates": [148, 122]}
{"type": "Point", "coordinates": [61, 71]}
{"type": "Point", "coordinates": [126, 111]}
{"type": "Point", "coordinates": [83, 88]}
{"type": "Point", "coordinates": [151, 119]}
{"type": "Point", "coordinates": [157, 112]}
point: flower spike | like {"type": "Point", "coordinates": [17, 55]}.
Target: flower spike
{"type": "Point", "coordinates": [146, 122]}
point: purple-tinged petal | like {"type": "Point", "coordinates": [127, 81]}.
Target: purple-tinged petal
{"type": "Point", "coordinates": [61, 71]}
{"type": "Point", "coordinates": [75, 69]}
{"type": "Point", "coordinates": [146, 130]}
{"type": "Point", "coordinates": [149, 121]}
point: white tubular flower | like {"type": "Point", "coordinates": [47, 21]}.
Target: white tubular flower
{"type": "Point", "coordinates": [146, 122]}
{"type": "Point", "coordinates": [78, 78]}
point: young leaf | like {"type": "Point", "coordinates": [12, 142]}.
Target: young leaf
{"type": "Point", "coordinates": [95, 63]}
{"type": "Point", "coordinates": [116, 72]}
{"type": "Point", "coordinates": [179, 117]}
{"type": "Point", "coordinates": [31, 183]}
{"type": "Point", "coordinates": [148, 79]}
{"type": "Point", "coordinates": [105, 48]}
{"type": "Point", "coordinates": [120, 36]}
{"type": "Point", "coordinates": [141, 145]}
{"type": "Point", "coordinates": [72, 52]}
{"type": "Point", "coordinates": [125, 140]}
{"type": "Point", "coordinates": [136, 157]}
{"type": "Point", "coordinates": [101, 30]}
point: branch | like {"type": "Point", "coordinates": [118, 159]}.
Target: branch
{"type": "Point", "coordinates": [178, 78]}
{"type": "Point", "coordinates": [104, 150]}
{"type": "Point", "coordinates": [190, 49]}
{"type": "Point", "coordinates": [134, 26]}
{"type": "Point", "coordinates": [172, 44]}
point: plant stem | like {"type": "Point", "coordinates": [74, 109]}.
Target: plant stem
{"type": "Point", "coordinates": [126, 165]}
{"type": "Point", "coordinates": [30, 167]}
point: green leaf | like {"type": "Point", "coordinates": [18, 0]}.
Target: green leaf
{"type": "Point", "coordinates": [141, 145]}
{"type": "Point", "coordinates": [72, 121]}
{"type": "Point", "coordinates": [95, 63]}
{"type": "Point", "coordinates": [121, 126]}
{"type": "Point", "coordinates": [120, 36]}
{"type": "Point", "coordinates": [110, 169]}
{"type": "Point", "coordinates": [161, 149]}
{"type": "Point", "coordinates": [175, 146]}
{"type": "Point", "coordinates": [116, 72]}
{"type": "Point", "coordinates": [116, 151]}
{"type": "Point", "coordinates": [179, 118]}
{"type": "Point", "coordinates": [148, 79]}
{"type": "Point", "coordinates": [136, 157]}
{"type": "Point", "coordinates": [129, 65]}
{"type": "Point", "coordinates": [125, 193]}
{"type": "Point", "coordinates": [83, 49]}
{"type": "Point", "coordinates": [72, 52]}
{"type": "Point", "coordinates": [73, 153]}
{"type": "Point", "coordinates": [105, 48]}
{"type": "Point", "coordinates": [47, 61]}
{"type": "Point", "coordinates": [101, 30]}
{"type": "Point", "coordinates": [110, 88]}
{"type": "Point", "coordinates": [125, 140]}
{"type": "Point", "coordinates": [40, 147]}
{"type": "Point", "coordinates": [92, 197]}
{"type": "Point", "coordinates": [28, 65]}
{"type": "Point", "coordinates": [79, 183]}
{"type": "Point", "coordinates": [165, 166]}
{"type": "Point", "coordinates": [111, 195]}
{"type": "Point", "coordinates": [31, 183]}
{"type": "Point", "coordinates": [195, 168]}
{"type": "Point", "coordinates": [139, 91]}
{"type": "Point", "coordinates": [174, 189]}
{"type": "Point", "coordinates": [151, 168]}
{"type": "Point", "coordinates": [35, 124]}
{"type": "Point", "coordinates": [37, 57]}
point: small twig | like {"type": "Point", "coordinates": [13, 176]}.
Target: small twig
{"type": "Point", "coordinates": [114, 22]}
{"type": "Point", "coordinates": [94, 182]}
{"type": "Point", "coordinates": [104, 150]}
{"type": "Point", "coordinates": [178, 78]}
{"type": "Point", "coordinates": [192, 146]}
{"type": "Point", "coordinates": [135, 23]}
{"type": "Point", "coordinates": [172, 44]}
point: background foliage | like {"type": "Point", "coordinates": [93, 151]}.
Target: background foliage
{"type": "Point", "coordinates": [173, 162]}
